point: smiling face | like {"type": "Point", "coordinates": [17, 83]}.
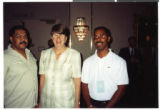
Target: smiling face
{"type": "Point", "coordinates": [19, 40]}
{"type": "Point", "coordinates": [101, 39]}
{"type": "Point", "coordinates": [59, 40]}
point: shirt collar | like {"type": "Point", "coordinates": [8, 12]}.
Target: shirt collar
{"type": "Point", "coordinates": [110, 52]}
{"type": "Point", "coordinates": [27, 51]}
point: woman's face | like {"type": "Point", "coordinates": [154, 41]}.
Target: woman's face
{"type": "Point", "coordinates": [59, 40]}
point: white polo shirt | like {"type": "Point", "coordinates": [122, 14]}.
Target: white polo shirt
{"type": "Point", "coordinates": [103, 75]}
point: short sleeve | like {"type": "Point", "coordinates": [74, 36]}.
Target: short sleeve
{"type": "Point", "coordinates": [76, 65]}
{"type": "Point", "coordinates": [122, 76]}
{"type": "Point", "coordinates": [41, 64]}
{"type": "Point", "coordinates": [85, 73]}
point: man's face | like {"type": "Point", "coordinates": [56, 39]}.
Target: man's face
{"type": "Point", "coordinates": [19, 40]}
{"type": "Point", "coordinates": [101, 39]}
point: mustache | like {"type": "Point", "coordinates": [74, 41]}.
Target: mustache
{"type": "Point", "coordinates": [23, 42]}
{"type": "Point", "coordinates": [98, 42]}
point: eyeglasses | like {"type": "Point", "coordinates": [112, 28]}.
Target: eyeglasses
{"type": "Point", "coordinates": [100, 36]}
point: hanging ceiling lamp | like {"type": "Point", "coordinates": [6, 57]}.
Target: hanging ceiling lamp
{"type": "Point", "coordinates": [81, 29]}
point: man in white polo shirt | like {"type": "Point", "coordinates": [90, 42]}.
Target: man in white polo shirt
{"type": "Point", "coordinates": [104, 74]}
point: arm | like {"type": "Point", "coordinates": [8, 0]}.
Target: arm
{"type": "Point", "coordinates": [116, 97]}
{"type": "Point", "coordinates": [85, 94]}
{"type": "Point", "coordinates": [42, 80]}
{"type": "Point", "coordinates": [77, 91]}
{"type": "Point", "coordinates": [76, 69]}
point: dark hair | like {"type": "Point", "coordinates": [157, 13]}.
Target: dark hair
{"type": "Point", "coordinates": [61, 29]}
{"type": "Point", "coordinates": [108, 32]}
{"type": "Point", "coordinates": [132, 38]}
{"type": "Point", "coordinates": [16, 27]}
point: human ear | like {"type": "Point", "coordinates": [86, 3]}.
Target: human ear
{"type": "Point", "coordinates": [11, 39]}
{"type": "Point", "coordinates": [108, 39]}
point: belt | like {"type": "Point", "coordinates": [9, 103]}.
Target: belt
{"type": "Point", "coordinates": [100, 104]}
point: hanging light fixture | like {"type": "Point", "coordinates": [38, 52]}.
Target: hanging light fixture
{"type": "Point", "coordinates": [81, 29]}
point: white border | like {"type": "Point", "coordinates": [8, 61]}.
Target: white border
{"type": "Point", "coordinates": [1, 56]}
{"type": "Point", "coordinates": [1, 41]}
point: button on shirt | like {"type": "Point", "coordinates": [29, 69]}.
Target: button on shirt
{"type": "Point", "coordinates": [103, 75]}
{"type": "Point", "coordinates": [20, 79]}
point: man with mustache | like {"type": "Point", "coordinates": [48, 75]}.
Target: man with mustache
{"type": "Point", "coordinates": [20, 71]}
{"type": "Point", "coordinates": [104, 74]}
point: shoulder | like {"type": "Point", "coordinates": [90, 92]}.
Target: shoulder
{"type": "Point", "coordinates": [31, 55]}
{"type": "Point", "coordinates": [7, 54]}
{"type": "Point", "coordinates": [89, 59]}
{"type": "Point", "coordinates": [47, 51]}
{"type": "Point", "coordinates": [117, 58]}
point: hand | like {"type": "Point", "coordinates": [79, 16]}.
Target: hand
{"type": "Point", "coordinates": [91, 106]}
{"type": "Point", "coordinates": [39, 105]}
{"type": "Point", "coordinates": [77, 106]}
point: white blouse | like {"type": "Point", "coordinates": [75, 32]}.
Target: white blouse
{"type": "Point", "coordinates": [58, 89]}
